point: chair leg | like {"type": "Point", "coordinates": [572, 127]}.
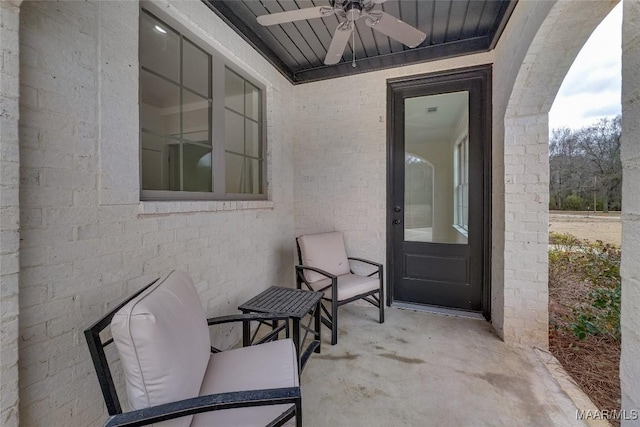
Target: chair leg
{"type": "Point", "coordinates": [299, 413]}
{"type": "Point", "coordinates": [334, 323]}
{"type": "Point", "coordinates": [381, 295]}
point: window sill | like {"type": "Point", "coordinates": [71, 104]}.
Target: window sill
{"type": "Point", "coordinates": [461, 230]}
{"type": "Point", "coordinates": [150, 208]}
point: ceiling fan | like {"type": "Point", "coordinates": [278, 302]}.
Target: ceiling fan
{"type": "Point", "coordinates": [351, 11]}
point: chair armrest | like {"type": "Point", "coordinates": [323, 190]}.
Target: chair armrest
{"type": "Point", "coordinates": [301, 268]}
{"type": "Point", "coordinates": [245, 317]}
{"type": "Point", "coordinates": [334, 279]}
{"type": "Point", "coordinates": [211, 402]}
{"type": "Point", "coordinates": [259, 317]}
{"type": "Point", "coordinates": [366, 261]}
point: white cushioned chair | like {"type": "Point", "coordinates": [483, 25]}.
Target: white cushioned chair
{"type": "Point", "coordinates": [174, 377]}
{"type": "Point", "coordinates": [324, 267]}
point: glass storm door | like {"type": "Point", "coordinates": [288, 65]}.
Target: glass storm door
{"type": "Point", "coordinates": [438, 184]}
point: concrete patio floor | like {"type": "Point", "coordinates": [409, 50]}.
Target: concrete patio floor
{"type": "Point", "coordinates": [422, 369]}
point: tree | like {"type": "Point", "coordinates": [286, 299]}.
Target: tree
{"type": "Point", "coordinates": [563, 165]}
{"type": "Point", "coordinates": [600, 144]}
{"type": "Point", "coordinates": [568, 168]}
{"type": "Point", "coordinates": [584, 163]}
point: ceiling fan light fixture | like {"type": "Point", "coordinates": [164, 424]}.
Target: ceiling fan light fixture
{"type": "Point", "coordinates": [354, 14]}
{"type": "Point", "coordinates": [351, 11]}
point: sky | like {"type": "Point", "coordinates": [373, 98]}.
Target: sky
{"type": "Point", "coordinates": [591, 89]}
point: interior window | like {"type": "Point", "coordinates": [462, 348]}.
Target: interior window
{"type": "Point", "coordinates": [462, 184]}
{"type": "Point", "coordinates": [179, 156]}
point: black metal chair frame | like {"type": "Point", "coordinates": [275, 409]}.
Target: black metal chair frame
{"type": "Point", "coordinates": [196, 405]}
{"type": "Point", "coordinates": [330, 319]}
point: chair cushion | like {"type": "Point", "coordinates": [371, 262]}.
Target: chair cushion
{"type": "Point", "coordinates": [264, 366]}
{"type": "Point", "coordinates": [324, 251]}
{"type": "Point", "coordinates": [163, 341]}
{"type": "Point", "coordinates": [349, 285]}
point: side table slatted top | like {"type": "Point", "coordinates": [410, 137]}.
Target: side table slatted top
{"type": "Point", "coordinates": [294, 302]}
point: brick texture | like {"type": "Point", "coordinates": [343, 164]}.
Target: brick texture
{"type": "Point", "coordinates": [75, 239]}
{"type": "Point", "coordinates": [630, 268]}
{"type": "Point", "coordinates": [534, 54]}
{"type": "Point", "coordinates": [9, 212]}
{"type": "Point", "coordinates": [87, 241]}
{"type": "Point", "coordinates": [341, 155]}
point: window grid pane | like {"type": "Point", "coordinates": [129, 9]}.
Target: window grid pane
{"type": "Point", "coordinates": [196, 118]}
{"type": "Point", "coordinates": [158, 156]}
{"type": "Point", "coordinates": [234, 132]}
{"type": "Point", "coordinates": [234, 91]}
{"type": "Point", "coordinates": [159, 47]}
{"type": "Point", "coordinates": [196, 69]}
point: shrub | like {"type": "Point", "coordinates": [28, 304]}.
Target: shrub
{"type": "Point", "coordinates": [600, 316]}
{"type": "Point", "coordinates": [598, 312]}
{"type": "Point", "coordinates": [601, 264]}
{"type": "Point", "coordinates": [566, 240]}
{"type": "Point", "coordinates": [574, 203]}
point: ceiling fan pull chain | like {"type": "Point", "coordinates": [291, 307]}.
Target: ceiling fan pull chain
{"type": "Point", "coordinates": [353, 57]}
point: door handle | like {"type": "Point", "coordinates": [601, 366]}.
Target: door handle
{"type": "Point", "coordinates": [397, 209]}
{"type": "Point", "coordinates": [396, 222]}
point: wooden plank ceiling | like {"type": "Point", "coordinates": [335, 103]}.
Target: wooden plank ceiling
{"type": "Point", "coordinates": [298, 49]}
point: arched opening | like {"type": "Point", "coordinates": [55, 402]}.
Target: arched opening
{"type": "Point", "coordinates": [527, 78]}
{"type": "Point", "coordinates": [563, 29]}
{"type": "Point", "coordinates": [584, 219]}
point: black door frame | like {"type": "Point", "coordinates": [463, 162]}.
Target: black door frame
{"type": "Point", "coordinates": [481, 74]}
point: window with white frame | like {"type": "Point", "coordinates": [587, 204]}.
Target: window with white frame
{"type": "Point", "coordinates": [202, 130]}
{"type": "Point", "coordinates": [461, 185]}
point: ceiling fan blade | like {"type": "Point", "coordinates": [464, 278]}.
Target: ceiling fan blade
{"type": "Point", "coordinates": [295, 15]}
{"type": "Point", "coordinates": [395, 28]}
{"type": "Point", "coordinates": [338, 43]}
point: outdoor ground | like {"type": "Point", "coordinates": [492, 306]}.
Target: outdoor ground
{"type": "Point", "coordinates": [594, 361]}
{"type": "Point", "coordinates": [425, 369]}
{"type": "Point", "coordinates": [588, 225]}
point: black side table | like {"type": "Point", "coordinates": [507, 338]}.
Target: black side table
{"type": "Point", "coordinates": [295, 303]}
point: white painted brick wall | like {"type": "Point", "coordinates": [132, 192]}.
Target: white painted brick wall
{"type": "Point", "coordinates": [526, 232]}
{"type": "Point", "coordinates": [9, 212]}
{"type": "Point", "coordinates": [340, 154]}
{"type": "Point", "coordinates": [344, 162]}
{"type": "Point", "coordinates": [534, 54]}
{"type": "Point", "coordinates": [510, 318]}
{"type": "Point", "coordinates": [87, 241]}
{"type": "Point", "coordinates": [630, 155]}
